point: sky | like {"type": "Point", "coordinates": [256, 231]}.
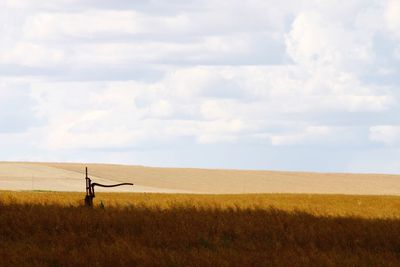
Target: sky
{"type": "Point", "coordinates": [258, 84]}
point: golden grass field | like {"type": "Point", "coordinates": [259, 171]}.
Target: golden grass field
{"type": "Point", "coordinates": [284, 219]}
{"type": "Point", "coordinates": [125, 229]}
{"type": "Point", "coordinates": [370, 207]}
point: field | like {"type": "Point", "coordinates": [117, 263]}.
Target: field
{"type": "Point", "coordinates": [224, 217]}
{"type": "Point", "coordinates": [70, 177]}
{"type": "Point", "coordinates": [125, 229]}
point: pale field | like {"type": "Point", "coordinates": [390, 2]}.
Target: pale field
{"type": "Point", "coordinates": [70, 177]}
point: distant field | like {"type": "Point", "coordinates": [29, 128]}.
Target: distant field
{"type": "Point", "coordinates": [54, 229]}
{"type": "Point", "coordinates": [70, 177]}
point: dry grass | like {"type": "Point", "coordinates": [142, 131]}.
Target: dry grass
{"type": "Point", "coordinates": [70, 177]}
{"type": "Point", "coordinates": [53, 229]}
{"type": "Point", "coordinates": [319, 205]}
{"type": "Point", "coordinates": [221, 181]}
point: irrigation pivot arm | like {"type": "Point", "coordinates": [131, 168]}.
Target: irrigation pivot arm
{"type": "Point", "coordinates": [90, 189]}
{"type": "Point", "coordinates": [103, 185]}
{"type": "Point", "coordinates": [114, 185]}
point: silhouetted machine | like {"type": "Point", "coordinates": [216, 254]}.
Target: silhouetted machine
{"type": "Point", "coordinates": [90, 189]}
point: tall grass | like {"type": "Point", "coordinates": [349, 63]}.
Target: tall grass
{"type": "Point", "coordinates": [320, 205]}
{"type": "Point", "coordinates": [181, 230]}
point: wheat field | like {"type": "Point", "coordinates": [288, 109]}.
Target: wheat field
{"type": "Point", "coordinates": [369, 207]}
{"type": "Point", "coordinates": [70, 177]}
{"type": "Point", "coordinates": [124, 229]}
{"type": "Point", "coordinates": [196, 217]}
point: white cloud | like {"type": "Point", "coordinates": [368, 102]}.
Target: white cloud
{"type": "Point", "coordinates": [94, 23]}
{"type": "Point", "coordinates": [307, 135]}
{"type": "Point", "coordinates": [24, 4]}
{"type": "Point", "coordinates": [387, 134]}
{"type": "Point", "coordinates": [197, 102]}
{"type": "Point", "coordinates": [393, 16]}
{"type": "Point", "coordinates": [206, 49]}
{"type": "Point", "coordinates": [217, 109]}
{"type": "Point", "coordinates": [316, 42]}
{"type": "Point", "coordinates": [111, 76]}
{"type": "Point", "coordinates": [29, 54]}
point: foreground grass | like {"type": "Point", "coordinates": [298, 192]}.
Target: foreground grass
{"type": "Point", "coordinates": [319, 205]}
{"type": "Point", "coordinates": [52, 229]}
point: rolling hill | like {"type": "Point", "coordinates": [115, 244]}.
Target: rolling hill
{"type": "Point", "coordinates": [70, 177]}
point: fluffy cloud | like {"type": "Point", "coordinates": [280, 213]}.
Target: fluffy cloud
{"type": "Point", "coordinates": [119, 78]}
{"type": "Point", "coordinates": [319, 43]}
{"type": "Point", "coordinates": [208, 104]}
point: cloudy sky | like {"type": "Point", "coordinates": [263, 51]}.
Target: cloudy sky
{"type": "Point", "coordinates": [257, 84]}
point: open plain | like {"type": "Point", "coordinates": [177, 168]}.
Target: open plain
{"type": "Point", "coordinates": [196, 217]}
{"type": "Point", "coordinates": [70, 177]}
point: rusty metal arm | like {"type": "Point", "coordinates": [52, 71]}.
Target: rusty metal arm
{"type": "Point", "coordinates": [90, 194]}
{"type": "Point", "coordinates": [103, 185]}
{"type": "Point", "coordinates": [114, 185]}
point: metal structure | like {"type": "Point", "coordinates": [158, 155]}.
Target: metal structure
{"type": "Point", "coordinates": [90, 189]}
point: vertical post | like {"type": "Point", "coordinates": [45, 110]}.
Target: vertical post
{"type": "Point", "coordinates": [88, 183]}
{"type": "Point", "coordinates": [89, 194]}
